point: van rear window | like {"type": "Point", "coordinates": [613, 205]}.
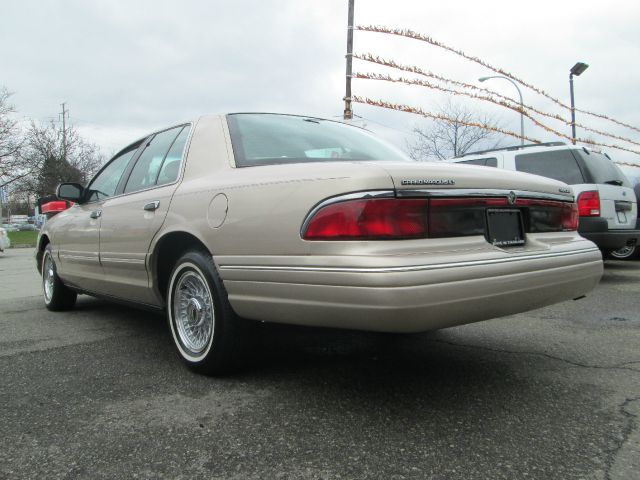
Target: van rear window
{"type": "Point", "coordinates": [602, 170]}
{"type": "Point", "coordinates": [557, 164]}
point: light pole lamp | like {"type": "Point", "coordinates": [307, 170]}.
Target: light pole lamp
{"type": "Point", "coordinates": [482, 79]}
{"type": "Point", "coordinates": [576, 70]}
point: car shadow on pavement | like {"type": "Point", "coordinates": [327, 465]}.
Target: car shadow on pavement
{"type": "Point", "coordinates": [278, 350]}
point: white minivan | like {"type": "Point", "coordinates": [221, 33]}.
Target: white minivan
{"type": "Point", "coordinates": [606, 202]}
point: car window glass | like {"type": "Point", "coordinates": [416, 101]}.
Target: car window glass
{"type": "Point", "coordinates": [602, 169]}
{"type": "Point", "coordinates": [558, 164]}
{"type": "Point", "coordinates": [476, 161]}
{"type": "Point", "coordinates": [484, 162]}
{"type": "Point", "coordinates": [105, 183]}
{"type": "Point", "coordinates": [268, 139]}
{"type": "Point", "coordinates": [171, 166]}
{"type": "Point", "coordinates": [145, 172]}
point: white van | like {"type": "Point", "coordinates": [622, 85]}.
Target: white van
{"type": "Point", "coordinates": [606, 202]}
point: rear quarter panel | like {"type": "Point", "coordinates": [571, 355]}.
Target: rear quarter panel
{"type": "Point", "coordinates": [255, 210]}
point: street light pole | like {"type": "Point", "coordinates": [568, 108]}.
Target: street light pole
{"type": "Point", "coordinates": [576, 70]}
{"type": "Point", "coordinates": [482, 79]}
{"type": "Point", "coordinates": [348, 112]}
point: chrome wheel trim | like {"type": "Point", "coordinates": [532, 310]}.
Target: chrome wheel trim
{"type": "Point", "coordinates": [624, 252]}
{"type": "Point", "coordinates": [48, 277]}
{"type": "Point", "coordinates": [191, 312]}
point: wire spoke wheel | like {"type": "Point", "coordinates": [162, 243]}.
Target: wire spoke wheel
{"type": "Point", "coordinates": [48, 277]}
{"type": "Point", "coordinates": [206, 332]}
{"type": "Point", "coordinates": [193, 311]}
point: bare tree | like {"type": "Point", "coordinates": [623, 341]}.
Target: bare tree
{"type": "Point", "coordinates": [57, 157]}
{"type": "Point", "coordinates": [446, 139]}
{"type": "Point", "coordinates": [11, 164]}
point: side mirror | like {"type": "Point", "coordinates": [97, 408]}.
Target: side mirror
{"type": "Point", "coordinates": [70, 191]}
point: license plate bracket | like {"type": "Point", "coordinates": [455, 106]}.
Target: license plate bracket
{"type": "Point", "coordinates": [504, 227]}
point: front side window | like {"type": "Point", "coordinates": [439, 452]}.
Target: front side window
{"type": "Point", "coordinates": [145, 172]}
{"type": "Point", "coordinates": [557, 164]}
{"type": "Point", "coordinates": [269, 139]}
{"type": "Point", "coordinates": [105, 183]}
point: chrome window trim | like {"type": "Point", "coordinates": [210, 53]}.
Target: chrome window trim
{"type": "Point", "coordinates": [409, 268]}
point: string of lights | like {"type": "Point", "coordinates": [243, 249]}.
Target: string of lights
{"type": "Point", "coordinates": [424, 38]}
{"type": "Point", "coordinates": [439, 116]}
{"type": "Point", "coordinates": [490, 95]}
{"type": "Point", "coordinates": [512, 106]}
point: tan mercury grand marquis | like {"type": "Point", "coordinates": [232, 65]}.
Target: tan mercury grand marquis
{"type": "Point", "coordinates": [301, 220]}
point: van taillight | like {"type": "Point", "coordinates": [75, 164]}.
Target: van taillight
{"type": "Point", "coordinates": [589, 204]}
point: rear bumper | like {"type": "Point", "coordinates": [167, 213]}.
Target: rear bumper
{"type": "Point", "coordinates": [597, 230]}
{"type": "Point", "coordinates": [415, 294]}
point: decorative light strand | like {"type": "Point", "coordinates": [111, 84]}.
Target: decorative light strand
{"type": "Point", "coordinates": [368, 57]}
{"type": "Point", "coordinates": [438, 116]}
{"type": "Point", "coordinates": [502, 103]}
{"type": "Point", "coordinates": [424, 38]}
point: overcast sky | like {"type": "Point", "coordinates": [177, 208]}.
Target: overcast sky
{"type": "Point", "coordinates": [128, 67]}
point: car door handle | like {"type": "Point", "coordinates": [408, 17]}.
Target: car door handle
{"type": "Point", "coordinates": [151, 206]}
{"type": "Point", "coordinates": [95, 214]}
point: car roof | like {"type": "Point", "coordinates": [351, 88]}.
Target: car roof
{"type": "Point", "coordinates": [516, 149]}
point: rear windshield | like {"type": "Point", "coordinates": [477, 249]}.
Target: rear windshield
{"type": "Point", "coordinates": [557, 164]}
{"type": "Point", "coordinates": [602, 170]}
{"type": "Point", "coordinates": [269, 139]}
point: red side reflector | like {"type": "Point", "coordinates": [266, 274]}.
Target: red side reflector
{"type": "Point", "coordinates": [589, 204]}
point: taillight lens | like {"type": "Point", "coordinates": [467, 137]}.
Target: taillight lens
{"type": "Point", "coordinates": [550, 215]}
{"type": "Point", "coordinates": [401, 218]}
{"type": "Point", "coordinates": [589, 204]}
{"type": "Point", "coordinates": [370, 219]}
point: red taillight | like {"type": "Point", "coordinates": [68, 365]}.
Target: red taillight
{"type": "Point", "coordinates": [370, 219]}
{"type": "Point", "coordinates": [570, 217]}
{"type": "Point", "coordinates": [399, 218]}
{"type": "Point", "coordinates": [552, 213]}
{"type": "Point", "coordinates": [589, 204]}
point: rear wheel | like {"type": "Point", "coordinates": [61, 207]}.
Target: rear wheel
{"type": "Point", "coordinates": [57, 296]}
{"type": "Point", "coordinates": [205, 330]}
{"type": "Point", "coordinates": [625, 253]}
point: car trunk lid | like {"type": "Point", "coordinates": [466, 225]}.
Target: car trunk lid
{"type": "Point", "coordinates": [420, 178]}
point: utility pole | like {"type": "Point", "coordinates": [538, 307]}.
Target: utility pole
{"type": "Point", "coordinates": [348, 112]}
{"type": "Point", "coordinates": [64, 131]}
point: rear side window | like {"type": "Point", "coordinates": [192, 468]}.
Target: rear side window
{"type": "Point", "coordinates": [145, 173]}
{"type": "Point", "coordinates": [602, 170]}
{"type": "Point", "coordinates": [559, 165]}
{"type": "Point", "coordinates": [171, 166]}
{"type": "Point", "coordinates": [484, 162]}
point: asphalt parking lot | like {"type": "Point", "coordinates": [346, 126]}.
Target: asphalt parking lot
{"type": "Point", "coordinates": [99, 393]}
